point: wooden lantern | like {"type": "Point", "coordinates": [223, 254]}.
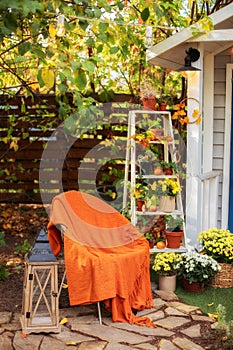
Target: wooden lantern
{"type": "Point", "coordinates": [40, 311]}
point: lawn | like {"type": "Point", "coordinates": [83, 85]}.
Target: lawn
{"type": "Point", "coordinates": [209, 299]}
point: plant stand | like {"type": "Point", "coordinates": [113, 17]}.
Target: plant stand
{"type": "Point", "coordinates": [162, 147]}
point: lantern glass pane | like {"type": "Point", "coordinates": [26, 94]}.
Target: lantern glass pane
{"type": "Point", "coordinates": [42, 296]}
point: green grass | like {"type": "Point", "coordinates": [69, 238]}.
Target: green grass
{"type": "Point", "coordinates": [209, 299]}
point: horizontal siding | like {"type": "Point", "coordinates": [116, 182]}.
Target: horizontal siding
{"type": "Point", "coordinates": [219, 118]}
{"type": "Point", "coordinates": [218, 126]}
{"type": "Point", "coordinates": [219, 113]}
{"type": "Point", "coordinates": [220, 87]}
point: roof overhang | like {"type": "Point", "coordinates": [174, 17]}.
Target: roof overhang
{"type": "Point", "coordinates": [170, 53]}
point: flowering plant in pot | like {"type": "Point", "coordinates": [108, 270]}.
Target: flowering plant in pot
{"type": "Point", "coordinates": [167, 189]}
{"type": "Point", "coordinates": [218, 243]}
{"type": "Point", "coordinates": [165, 264]}
{"type": "Point", "coordinates": [195, 267]}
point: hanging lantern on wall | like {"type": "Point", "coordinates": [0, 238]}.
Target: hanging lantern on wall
{"type": "Point", "coordinates": [40, 311]}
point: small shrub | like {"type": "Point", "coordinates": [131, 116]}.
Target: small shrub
{"type": "Point", "coordinates": [24, 248]}
{"type": "Point", "coordinates": [3, 269]}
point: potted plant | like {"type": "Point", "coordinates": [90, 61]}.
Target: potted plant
{"type": "Point", "coordinates": [152, 202]}
{"type": "Point", "coordinates": [150, 237]}
{"type": "Point", "coordinates": [148, 96]}
{"type": "Point", "coordinates": [169, 167]}
{"type": "Point", "coordinates": [195, 270]}
{"type": "Point", "coordinates": [163, 101]}
{"type": "Point", "coordinates": [140, 194]}
{"type": "Point", "coordinates": [167, 189]}
{"type": "Point", "coordinates": [165, 264]}
{"type": "Point", "coordinates": [218, 243]}
{"type": "Point", "coordinates": [174, 230]}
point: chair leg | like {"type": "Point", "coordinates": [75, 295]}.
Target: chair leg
{"type": "Point", "coordinates": [98, 303]}
{"type": "Point", "coordinates": [99, 312]}
{"type": "Point", "coordinates": [60, 288]}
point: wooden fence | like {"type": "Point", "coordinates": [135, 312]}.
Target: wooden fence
{"type": "Point", "coordinates": [22, 180]}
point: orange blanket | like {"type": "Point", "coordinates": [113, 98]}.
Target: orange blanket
{"type": "Point", "coordinates": [106, 257]}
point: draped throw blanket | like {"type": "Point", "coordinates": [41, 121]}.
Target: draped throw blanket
{"type": "Point", "coordinates": [106, 257]}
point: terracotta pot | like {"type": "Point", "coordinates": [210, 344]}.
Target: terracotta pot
{"type": "Point", "coordinates": [167, 171]}
{"type": "Point", "coordinates": [167, 204]}
{"type": "Point", "coordinates": [151, 244]}
{"type": "Point", "coordinates": [163, 106]}
{"type": "Point", "coordinates": [157, 132]}
{"type": "Point", "coordinates": [149, 103]}
{"type": "Point", "coordinates": [140, 203]}
{"type": "Point", "coordinates": [167, 283]}
{"type": "Point", "coordinates": [174, 239]}
{"type": "Point", "coordinates": [194, 287]}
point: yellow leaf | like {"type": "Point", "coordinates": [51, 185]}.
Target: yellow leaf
{"type": "Point", "coordinates": [213, 315]}
{"type": "Point", "coordinates": [52, 30]}
{"type": "Point", "coordinates": [70, 343]}
{"type": "Point", "coordinates": [14, 145]}
{"type": "Point", "coordinates": [64, 320]}
{"type": "Point", "coordinates": [210, 304]}
{"type": "Point", "coordinates": [48, 78]}
{"type": "Point", "coordinates": [5, 213]}
{"type": "Point", "coordinates": [6, 226]}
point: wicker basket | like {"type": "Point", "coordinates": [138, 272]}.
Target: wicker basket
{"type": "Point", "coordinates": [224, 277]}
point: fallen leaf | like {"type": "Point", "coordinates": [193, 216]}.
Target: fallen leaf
{"type": "Point", "coordinates": [213, 316]}
{"type": "Point", "coordinates": [64, 320]}
{"type": "Point", "coordinates": [70, 343]}
{"type": "Point", "coordinates": [23, 335]}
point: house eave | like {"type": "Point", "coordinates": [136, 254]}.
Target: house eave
{"type": "Point", "coordinates": [170, 52]}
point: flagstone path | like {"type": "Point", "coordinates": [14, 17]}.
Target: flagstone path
{"type": "Point", "coordinates": [179, 326]}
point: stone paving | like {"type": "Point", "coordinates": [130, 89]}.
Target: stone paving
{"type": "Point", "coordinates": [178, 325]}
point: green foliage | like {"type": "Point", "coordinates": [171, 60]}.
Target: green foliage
{"type": "Point", "coordinates": [2, 240]}
{"type": "Point", "coordinates": [101, 50]}
{"type": "Point", "coordinates": [4, 273]}
{"type": "Point", "coordinates": [174, 223]}
{"type": "Point", "coordinates": [3, 269]}
{"type": "Point", "coordinates": [24, 248]}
